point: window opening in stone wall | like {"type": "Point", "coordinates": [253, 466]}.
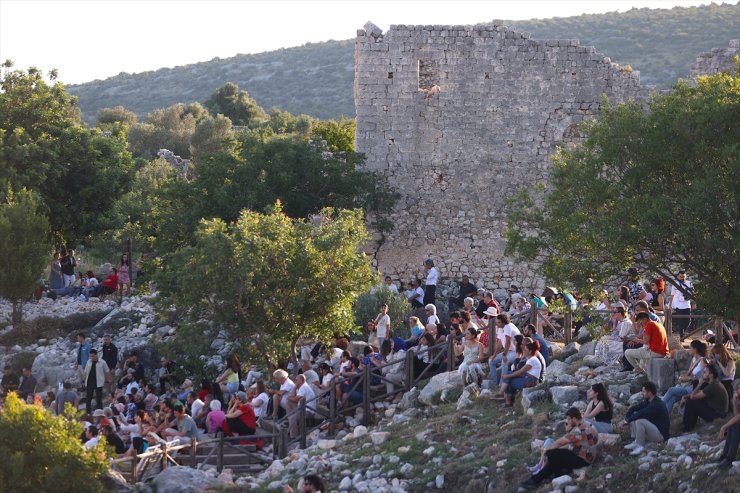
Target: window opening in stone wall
{"type": "Point", "coordinates": [487, 76]}
{"type": "Point", "coordinates": [390, 75]}
{"type": "Point", "coordinates": [428, 74]}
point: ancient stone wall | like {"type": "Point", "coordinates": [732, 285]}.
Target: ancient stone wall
{"type": "Point", "coordinates": [717, 60]}
{"type": "Point", "coordinates": [459, 118]}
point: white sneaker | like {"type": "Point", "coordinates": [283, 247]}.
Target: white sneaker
{"type": "Point", "coordinates": [630, 446]}
{"type": "Point", "coordinates": [637, 450]}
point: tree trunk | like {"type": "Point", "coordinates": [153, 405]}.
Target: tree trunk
{"type": "Point", "coordinates": [17, 316]}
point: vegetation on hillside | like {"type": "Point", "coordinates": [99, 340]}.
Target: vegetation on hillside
{"type": "Point", "coordinates": [317, 79]}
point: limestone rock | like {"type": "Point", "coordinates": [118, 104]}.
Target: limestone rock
{"type": "Point", "coordinates": [470, 393]}
{"type": "Point", "coordinates": [183, 479]}
{"type": "Point", "coordinates": [374, 31]}
{"type": "Point", "coordinates": [587, 349]}
{"type": "Point", "coordinates": [378, 437]}
{"type": "Point", "coordinates": [531, 396]}
{"type": "Point", "coordinates": [437, 384]}
{"type": "Point", "coordinates": [564, 395]}
{"type": "Point", "coordinates": [409, 400]}
{"type": "Point", "coordinates": [561, 481]}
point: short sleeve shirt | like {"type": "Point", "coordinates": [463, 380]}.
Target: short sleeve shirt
{"type": "Point", "coordinates": [583, 439]}
{"type": "Point", "coordinates": [383, 326]}
{"type": "Point", "coordinates": [188, 426]}
{"type": "Point", "coordinates": [306, 391]}
{"type": "Point", "coordinates": [658, 340]}
{"type": "Point", "coordinates": [288, 387]}
{"type": "Point", "coordinates": [535, 367]}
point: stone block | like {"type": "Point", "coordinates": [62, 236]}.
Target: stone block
{"type": "Point", "coordinates": [661, 371]}
{"type": "Point", "coordinates": [564, 395]}
{"type": "Point", "coordinates": [587, 349]}
{"type": "Point", "coordinates": [561, 482]}
{"type": "Point", "coordinates": [532, 396]}
{"type": "Point", "coordinates": [683, 360]}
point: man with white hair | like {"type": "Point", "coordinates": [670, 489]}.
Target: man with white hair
{"type": "Point", "coordinates": [300, 391]}
{"type": "Point", "coordinates": [280, 397]}
{"type": "Point", "coordinates": [431, 312]}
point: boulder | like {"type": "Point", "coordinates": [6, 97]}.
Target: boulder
{"type": "Point", "coordinates": [561, 481]}
{"type": "Point", "coordinates": [683, 360]}
{"type": "Point", "coordinates": [437, 384]}
{"type": "Point", "coordinates": [183, 479]}
{"type": "Point", "coordinates": [555, 369]}
{"type": "Point", "coordinates": [587, 349]}
{"type": "Point", "coordinates": [469, 394]}
{"type": "Point", "coordinates": [681, 443]}
{"type": "Point", "coordinates": [378, 437]}
{"type": "Point", "coordinates": [564, 395]}
{"type": "Point", "coordinates": [661, 371]}
{"type": "Point", "coordinates": [592, 361]}
{"type": "Point", "coordinates": [532, 396]}
{"type": "Point", "coordinates": [409, 400]}
{"type": "Point", "coordinates": [608, 439]}
{"type": "Point", "coordinates": [569, 350]}
{"type": "Point", "coordinates": [54, 367]}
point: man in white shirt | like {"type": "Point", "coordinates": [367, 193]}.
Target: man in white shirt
{"type": "Point", "coordinates": [91, 434]}
{"type": "Point", "coordinates": [300, 391]}
{"type": "Point", "coordinates": [680, 305]}
{"type": "Point", "coordinates": [280, 397]}
{"type": "Point", "coordinates": [430, 285]}
{"type": "Point", "coordinates": [310, 375]}
{"type": "Point", "coordinates": [382, 324]}
{"type": "Point", "coordinates": [391, 286]}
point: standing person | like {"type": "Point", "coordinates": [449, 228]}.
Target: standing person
{"type": "Point", "coordinates": [67, 395]}
{"type": "Point", "coordinates": [69, 263]}
{"type": "Point", "coordinates": [391, 285]}
{"type": "Point", "coordinates": [124, 274]}
{"type": "Point", "coordinates": [56, 279]}
{"type": "Point", "coordinates": [83, 353]}
{"type": "Point", "coordinates": [574, 450]}
{"type": "Point", "coordinates": [681, 302]}
{"type": "Point", "coordinates": [657, 287]}
{"type": "Point", "coordinates": [110, 356]}
{"type": "Point", "coordinates": [430, 285]}
{"type": "Point", "coordinates": [95, 375]}
{"type": "Point", "coordinates": [382, 325]}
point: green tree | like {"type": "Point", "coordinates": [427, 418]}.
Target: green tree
{"type": "Point", "coordinates": [49, 457]}
{"type": "Point", "coordinates": [367, 307]}
{"type": "Point", "coordinates": [77, 172]}
{"type": "Point", "coordinates": [109, 117]}
{"type": "Point", "coordinates": [267, 279]}
{"type": "Point", "coordinates": [338, 134]}
{"type": "Point", "coordinates": [24, 231]}
{"type": "Point", "coordinates": [656, 187]}
{"type": "Point", "coordinates": [236, 105]}
{"type": "Point", "coordinates": [211, 136]}
{"type": "Point", "coordinates": [166, 128]}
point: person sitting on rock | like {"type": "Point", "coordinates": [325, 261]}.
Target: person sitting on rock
{"type": "Point", "coordinates": [528, 375]}
{"type": "Point", "coordinates": [575, 450]}
{"type": "Point", "coordinates": [240, 418]}
{"type": "Point", "coordinates": [301, 391]}
{"type": "Point", "coordinates": [109, 284]}
{"type": "Point", "coordinates": [423, 356]}
{"type": "Point", "coordinates": [730, 432]}
{"type": "Point", "coordinates": [28, 383]}
{"type": "Point", "coordinates": [215, 417]}
{"type": "Point", "coordinates": [348, 389]}
{"type": "Point", "coordinates": [689, 381]}
{"type": "Point", "coordinates": [725, 364]}
{"type": "Point", "coordinates": [280, 396]}
{"type": "Point", "coordinates": [505, 332]}
{"type": "Point", "coordinates": [600, 409]}
{"type": "Point", "coordinates": [648, 421]}
{"type": "Point", "coordinates": [394, 367]}
{"type": "Point", "coordinates": [708, 400]}
{"type": "Point", "coordinates": [655, 343]}
{"type": "Point", "coordinates": [531, 331]}
{"type": "Point", "coordinates": [473, 353]}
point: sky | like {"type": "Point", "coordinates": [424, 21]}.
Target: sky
{"type": "Point", "coordinates": [96, 39]}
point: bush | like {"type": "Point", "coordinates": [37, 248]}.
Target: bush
{"type": "Point", "coordinates": [41, 452]}
{"type": "Point", "coordinates": [186, 351]}
{"type": "Point", "coordinates": [367, 306]}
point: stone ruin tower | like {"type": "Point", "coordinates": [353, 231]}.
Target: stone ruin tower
{"type": "Point", "coordinates": [461, 117]}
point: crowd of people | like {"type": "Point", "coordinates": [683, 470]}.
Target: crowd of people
{"type": "Point", "coordinates": [488, 338]}
{"type": "Point", "coordinates": [66, 280]}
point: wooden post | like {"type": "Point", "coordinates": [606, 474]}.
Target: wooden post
{"type": "Point", "coordinates": [668, 321]}
{"type": "Point", "coordinates": [409, 383]}
{"type": "Point", "coordinates": [332, 408]}
{"type": "Point", "coordinates": [134, 465]}
{"type": "Point", "coordinates": [164, 456]}
{"type": "Point", "coordinates": [568, 324]}
{"type": "Point", "coordinates": [719, 331]}
{"type": "Point", "coordinates": [366, 395]}
{"type": "Point", "coordinates": [533, 314]}
{"type": "Point", "coordinates": [491, 335]}
{"type": "Point", "coordinates": [193, 446]}
{"type": "Point", "coordinates": [302, 424]}
{"type": "Point", "coordinates": [220, 456]}
{"type": "Point", "coordinates": [451, 354]}
{"type": "Point", "coordinates": [283, 448]}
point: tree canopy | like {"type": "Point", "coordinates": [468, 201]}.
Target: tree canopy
{"type": "Point", "coordinates": [267, 279]}
{"type": "Point", "coordinates": [235, 104]}
{"type": "Point", "coordinates": [655, 187]}
{"type": "Point", "coordinates": [77, 172]}
{"type": "Point", "coordinates": [24, 231]}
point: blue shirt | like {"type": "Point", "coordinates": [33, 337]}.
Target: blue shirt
{"type": "Point", "coordinates": [544, 348]}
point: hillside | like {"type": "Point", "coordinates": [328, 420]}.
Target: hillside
{"type": "Point", "coordinates": [317, 78]}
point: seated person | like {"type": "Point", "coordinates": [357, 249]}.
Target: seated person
{"type": "Point", "coordinates": [655, 343]}
{"type": "Point", "coordinates": [261, 400]}
{"type": "Point", "coordinates": [473, 354]}
{"type": "Point", "coordinates": [575, 450]}
{"type": "Point", "coordinates": [215, 417]}
{"type": "Point", "coordinates": [109, 284]}
{"type": "Point", "coordinates": [527, 376]}
{"type": "Point", "coordinates": [240, 419]}
{"type": "Point", "coordinates": [423, 356]}
{"type": "Point", "coordinates": [112, 439]}
{"type": "Point", "coordinates": [89, 284]}
{"type": "Point", "coordinates": [730, 432]}
{"type": "Point", "coordinates": [348, 389]}
{"type": "Point", "coordinates": [186, 430]}
{"type": "Point", "coordinates": [394, 367]}
{"type": "Point", "coordinates": [689, 381]}
{"type": "Point", "coordinates": [301, 391]}
{"type": "Point", "coordinates": [599, 409]}
{"type": "Point", "coordinates": [708, 400]}
{"type": "Point", "coordinates": [648, 420]}
{"type": "Point", "coordinates": [280, 396]}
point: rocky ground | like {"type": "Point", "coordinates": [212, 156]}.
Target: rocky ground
{"type": "Point", "coordinates": [439, 437]}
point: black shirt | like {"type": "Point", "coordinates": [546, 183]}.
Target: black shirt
{"type": "Point", "coordinates": [468, 290]}
{"type": "Point", "coordinates": [92, 378]}
{"type": "Point", "coordinates": [110, 355]}
{"type": "Point", "coordinates": [115, 441]}
{"type": "Point", "coordinates": [68, 265]}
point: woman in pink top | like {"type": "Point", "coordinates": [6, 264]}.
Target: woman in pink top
{"type": "Point", "coordinates": [215, 418]}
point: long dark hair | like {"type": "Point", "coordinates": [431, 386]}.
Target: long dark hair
{"type": "Point", "coordinates": [602, 395]}
{"type": "Point", "coordinates": [128, 260]}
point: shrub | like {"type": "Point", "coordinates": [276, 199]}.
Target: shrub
{"type": "Point", "coordinates": [41, 452]}
{"type": "Point", "coordinates": [367, 306]}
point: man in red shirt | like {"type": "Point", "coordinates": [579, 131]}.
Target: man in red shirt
{"type": "Point", "coordinates": [110, 283]}
{"type": "Point", "coordinates": [655, 342]}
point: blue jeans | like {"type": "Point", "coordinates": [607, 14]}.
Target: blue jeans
{"type": "Point", "coordinates": [518, 383]}
{"type": "Point", "coordinates": [674, 394]}
{"type": "Point", "coordinates": [492, 365]}
{"type": "Point", "coordinates": [601, 426]}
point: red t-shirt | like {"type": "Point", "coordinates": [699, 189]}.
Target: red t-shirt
{"type": "Point", "coordinates": [247, 416]}
{"type": "Point", "coordinates": [111, 281]}
{"type": "Point", "coordinates": [658, 339]}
